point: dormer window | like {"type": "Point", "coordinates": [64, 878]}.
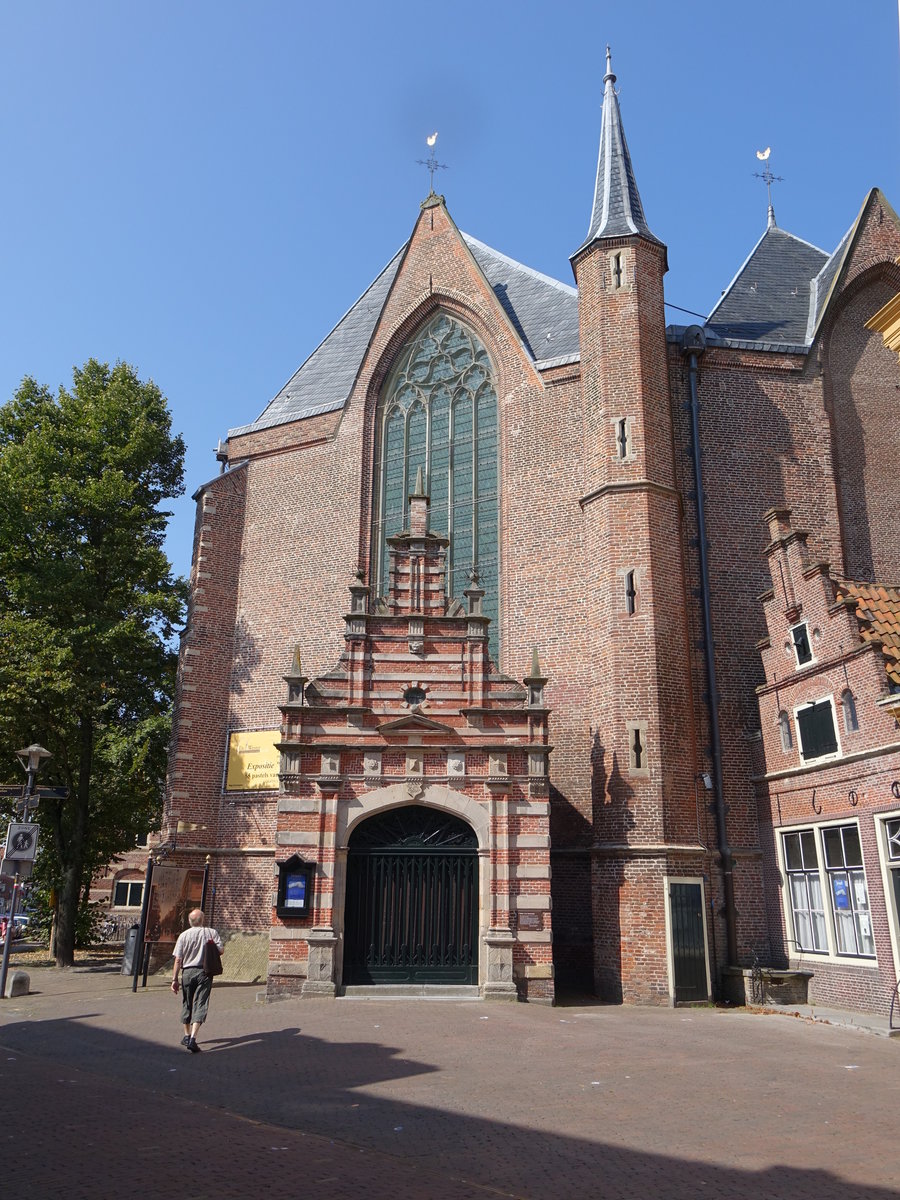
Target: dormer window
{"type": "Point", "coordinates": [802, 648]}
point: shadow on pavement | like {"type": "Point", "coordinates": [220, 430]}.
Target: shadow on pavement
{"type": "Point", "coordinates": [102, 1083]}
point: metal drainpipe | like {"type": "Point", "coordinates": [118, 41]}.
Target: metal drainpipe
{"type": "Point", "coordinates": [694, 343]}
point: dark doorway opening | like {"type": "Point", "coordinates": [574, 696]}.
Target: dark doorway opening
{"type": "Point", "coordinates": [688, 942]}
{"type": "Point", "coordinates": [411, 912]}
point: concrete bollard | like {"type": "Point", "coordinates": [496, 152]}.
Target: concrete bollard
{"type": "Point", "coordinates": [18, 983]}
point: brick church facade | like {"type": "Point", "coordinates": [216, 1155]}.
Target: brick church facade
{"type": "Point", "coordinates": [509, 660]}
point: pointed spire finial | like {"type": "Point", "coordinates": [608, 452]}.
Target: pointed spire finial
{"type": "Point", "coordinates": [618, 211]}
{"type": "Point", "coordinates": [535, 661]}
{"type": "Point", "coordinates": [431, 163]}
{"type": "Point", "coordinates": [420, 483]}
{"type": "Point", "coordinates": [609, 71]}
{"type": "Point", "coordinates": [768, 178]}
{"type": "Point", "coordinates": [295, 662]}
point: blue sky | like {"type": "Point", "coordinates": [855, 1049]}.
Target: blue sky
{"type": "Point", "coordinates": [203, 189]}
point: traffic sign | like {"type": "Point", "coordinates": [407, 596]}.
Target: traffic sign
{"type": "Point", "coordinates": [21, 841]}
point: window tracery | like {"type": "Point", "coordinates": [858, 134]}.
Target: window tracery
{"type": "Point", "coordinates": [439, 412]}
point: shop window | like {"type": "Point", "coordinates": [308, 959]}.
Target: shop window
{"type": "Point", "coordinates": [892, 840]}
{"type": "Point", "coordinates": [816, 730]}
{"type": "Point", "coordinates": [805, 891]}
{"type": "Point", "coordinates": [802, 648]}
{"type": "Point", "coordinates": [849, 894]}
{"type": "Point", "coordinates": [892, 830]}
{"type": "Point", "coordinates": [128, 894]}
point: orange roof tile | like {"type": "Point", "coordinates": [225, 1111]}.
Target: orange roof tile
{"type": "Point", "coordinates": [878, 614]}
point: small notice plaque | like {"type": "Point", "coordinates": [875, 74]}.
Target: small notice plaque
{"type": "Point", "coordinates": [530, 920]}
{"type": "Point", "coordinates": [253, 761]}
{"type": "Point", "coordinates": [294, 887]}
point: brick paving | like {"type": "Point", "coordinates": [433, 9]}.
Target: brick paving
{"type": "Point", "coordinates": [435, 1100]}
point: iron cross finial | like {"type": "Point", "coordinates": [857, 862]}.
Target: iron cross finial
{"type": "Point", "coordinates": [431, 161]}
{"type": "Point", "coordinates": [768, 178]}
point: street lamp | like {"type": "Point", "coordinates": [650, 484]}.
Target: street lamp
{"type": "Point", "coordinates": [30, 758]}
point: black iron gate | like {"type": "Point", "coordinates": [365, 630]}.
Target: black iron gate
{"type": "Point", "coordinates": [411, 911]}
{"type": "Point", "coordinates": [688, 942]}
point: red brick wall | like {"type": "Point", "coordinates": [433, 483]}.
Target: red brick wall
{"type": "Point", "coordinates": [280, 537]}
{"type": "Point", "coordinates": [864, 400]}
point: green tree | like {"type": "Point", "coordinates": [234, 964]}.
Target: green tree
{"type": "Point", "coordinates": [88, 608]}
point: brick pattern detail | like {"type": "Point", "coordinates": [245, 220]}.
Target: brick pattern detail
{"type": "Point", "coordinates": [853, 787]}
{"type": "Point", "coordinates": [281, 532]}
{"type": "Point", "coordinates": [414, 685]}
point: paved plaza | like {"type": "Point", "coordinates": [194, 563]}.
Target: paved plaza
{"type": "Point", "coordinates": [442, 1100]}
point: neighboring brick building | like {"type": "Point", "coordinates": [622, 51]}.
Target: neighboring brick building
{"type": "Point", "coordinates": [616, 831]}
{"type": "Point", "coordinates": [830, 796]}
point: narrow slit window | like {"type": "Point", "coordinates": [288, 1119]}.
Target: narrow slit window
{"type": "Point", "coordinates": [622, 438]}
{"type": "Point", "coordinates": [784, 728]}
{"type": "Point", "coordinates": [630, 593]}
{"type": "Point", "coordinates": [637, 749]}
{"type": "Point", "coordinates": [617, 270]}
{"type": "Point", "coordinates": [848, 705]}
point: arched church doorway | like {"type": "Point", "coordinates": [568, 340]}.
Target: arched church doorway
{"type": "Point", "coordinates": [411, 912]}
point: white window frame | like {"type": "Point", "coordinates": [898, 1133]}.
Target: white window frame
{"type": "Point", "coordinates": [832, 955]}
{"type": "Point", "coordinates": [788, 873]}
{"type": "Point", "coordinates": [848, 870]}
{"type": "Point", "coordinates": [129, 883]}
{"type": "Point", "coordinates": [885, 862]}
{"type": "Point", "coordinates": [821, 758]}
{"type": "Point", "coordinates": [809, 641]}
{"type": "Point", "coordinates": [667, 906]}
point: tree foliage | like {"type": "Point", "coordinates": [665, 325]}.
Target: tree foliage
{"type": "Point", "coordinates": [88, 608]}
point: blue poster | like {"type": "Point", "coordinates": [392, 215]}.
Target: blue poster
{"type": "Point", "coordinates": [295, 891]}
{"type": "Point", "coordinates": [841, 894]}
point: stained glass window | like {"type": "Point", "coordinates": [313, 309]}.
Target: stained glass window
{"type": "Point", "coordinates": [439, 411]}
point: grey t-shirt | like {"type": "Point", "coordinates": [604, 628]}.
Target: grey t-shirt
{"type": "Point", "coordinates": [192, 942]}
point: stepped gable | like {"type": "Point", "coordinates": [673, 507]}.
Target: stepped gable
{"type": "Point", "coordinates": [416, 671]}
{"type": "Point", "coordinates": [878, 614]}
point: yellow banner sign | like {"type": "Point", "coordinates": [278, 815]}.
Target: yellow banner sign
{"type": "Point", "coordinates": [253, 761]}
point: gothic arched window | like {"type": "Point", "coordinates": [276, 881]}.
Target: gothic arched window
{"type": "Point", "coordinates": [439, 412]}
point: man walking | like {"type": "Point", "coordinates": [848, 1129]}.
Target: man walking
{"type": "Point", "coordinates": [195, 983]}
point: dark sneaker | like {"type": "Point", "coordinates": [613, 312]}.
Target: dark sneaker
{"type": "Point", "coordinates": [192, 1046]}
{"type": "Point", "coordinates": [186, 1040]}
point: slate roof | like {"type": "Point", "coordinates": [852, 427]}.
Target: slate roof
{"type": "Point", "coordinates": [878, 614]}
{"type": "Point", "coordinates": [617, 211]}
{"type": "Point", "coordinates": [821, 285]}
{"type": "Point", "coordinates": [769, 300]}
{"type": "Point", "coordinates": [543, 311]}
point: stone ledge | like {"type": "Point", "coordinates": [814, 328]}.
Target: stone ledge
{"type": "Point", "coordinates": [779, 987]}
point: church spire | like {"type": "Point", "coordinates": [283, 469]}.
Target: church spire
{"type": "Point", "coordinates": [617, 211]}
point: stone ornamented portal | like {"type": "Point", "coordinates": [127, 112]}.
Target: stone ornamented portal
{"type": "Point", "coordinates": [414, 777]}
